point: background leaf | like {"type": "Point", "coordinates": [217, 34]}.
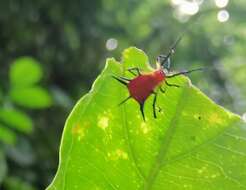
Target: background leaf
{"type": "Point", "coordinates": [25, 71]}
{"type": "Point", "coordinates": [193, 144]}
{"type": "Point", "coordinates": [31, 97]}
{"type": "Point", "coordinates": [16, 119]}
{"type": "Point", "coordinates": [6, 135]}
{"type": "Point", "coordinates": [15, 183]}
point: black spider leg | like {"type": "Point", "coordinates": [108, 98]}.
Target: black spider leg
{"type": "Point", "coordinates": [154, 104]}
{"type": "Point", "coordinates": [184, 72]}
{"type": "Point", "coordinates": [142, 110]}
{"type": "Point", "coordinates": [162, 90]}
{"type": "Point", "coordinates": [174, 85]}
{"type": "Point", "coordinates": [134, 69]}
{"type": "Point", "coordinates": [154, 101]}
{"type": "Point", "coordinates": [122, 80]}
{"type": "Point", "coordinates": [124, 100]}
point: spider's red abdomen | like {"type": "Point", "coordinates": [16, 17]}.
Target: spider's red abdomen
{"type": "Point", "coordinates": [141, 87]}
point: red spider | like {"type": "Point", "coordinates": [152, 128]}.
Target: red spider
{"type": "Point", "coordinates": [145, 84]}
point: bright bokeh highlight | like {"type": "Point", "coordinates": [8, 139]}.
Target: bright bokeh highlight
{"type": "Point", "coordinates": [221, 3]}
{"type": "Point", "coordinates": [184, 9]}
{"type": "Point", "coordinates": [111, 44]}
{"type": "Point", "coordinates": [223, 16]}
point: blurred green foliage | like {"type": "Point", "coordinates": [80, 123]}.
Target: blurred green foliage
{"type": "Point", "coordinates": [24, 92]}
{"type": "Point", "coordinates": [16, 119]}
{"type": "Point", "coordinates": [25, 71]}
{"type": "Point", "coordinates": [68, 39]}
{"type": "Point", "coordinates": [3, 167]}
{"type": "Point", "coordinates": [16, 183]}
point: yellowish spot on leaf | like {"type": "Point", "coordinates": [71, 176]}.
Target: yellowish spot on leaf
{"type": "Point", "coordinates": [117, 154]}
{"type": "Point", "coordinates": [78, 131]}
{"type": "Point", "coordinates": [103, 122]}
{"type": "Point", "coordinates": [197, 116]}
{"type": "Point", "coordinates": [184, 113]}
{"type": "Point", "coordinates": [201, 170]}
{"type": "Point", "coordinates": [144, 128]}
{"type": "Point", "coordinates": [214, 118]}
{"type": "Point", "coordinates": [121, 154]}
{"type": "Point", "coordinates": [213, 176]}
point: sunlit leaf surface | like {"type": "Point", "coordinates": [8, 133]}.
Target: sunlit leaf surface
{"type": "Point", "coordinates": [193, 144]}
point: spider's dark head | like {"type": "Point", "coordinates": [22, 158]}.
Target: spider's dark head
{"type": "Point", "coordinates": [164, 62]}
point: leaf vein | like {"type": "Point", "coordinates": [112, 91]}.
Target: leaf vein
{"type": "Point", "coordinates": [165, 142]}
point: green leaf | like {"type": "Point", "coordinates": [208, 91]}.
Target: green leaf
{"type": "Point", "coordinates": [193, 144]}
{"type": "Point", "coordinates": [7, 136]}
{"type": "Point", "coordinates": [32, 97]}
{"type": "Point", "coordinates": [16, 119]}
{"type": "Point", "coordinates": [25, 71]}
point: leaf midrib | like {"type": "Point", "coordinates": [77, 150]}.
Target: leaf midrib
{"type": "Point", "coordinates": [158, 164]}
{"type": "Point", "coordinates": [130, 149]}
{"type": "Point", "coordinates": [165, 142]}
